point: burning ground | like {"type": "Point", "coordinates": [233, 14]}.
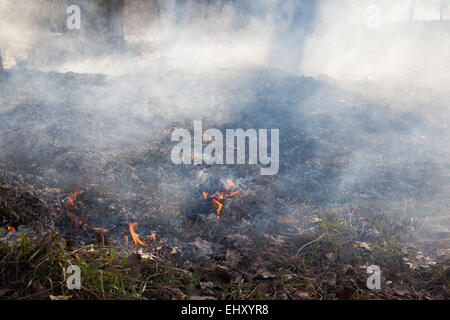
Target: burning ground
{"type": "Point", "coordinates": [86, 179]}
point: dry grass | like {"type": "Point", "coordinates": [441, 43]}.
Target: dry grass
{"type": "Point", "coordinates": [32, 267]}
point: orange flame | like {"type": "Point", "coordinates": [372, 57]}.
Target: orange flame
{"type": "Point", "coordinates": [72, 197]}
{"type": "Point", "coordinates": [194, 158]}
{"type": "Point", "coordinates": [154, 237]}
{"type": "Point", "coordinates": [230, 185]}
{"type": "Point", "coordinates": [231, 194]}
{"type": "Point", "coordinates": [218, 206]}
{"type": "Point", "coordinates": [12, 229]}
{"type": "Point", "coordinates": [230, 191]}
{"type": "Point", "coordinates": [70, 210]}
{"type": "Point", "coordinates": [126, 238]}
{"type": "Point", "coordinates": [134, 235]}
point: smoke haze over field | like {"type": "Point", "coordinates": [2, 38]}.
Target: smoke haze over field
{"type": "Point", "coordinates": [377, 95]}
{"type": "Point", "coordinates": [384, 43]}
{"type": "Point", "coordinates": [377, 41]}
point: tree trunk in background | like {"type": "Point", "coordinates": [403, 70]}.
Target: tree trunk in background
{"type": "Point", "coordinates": [412, 9]}
{"type": "Point", "coordinates": [102, 23]}
{"type": "Point", "coordinates": [114, 14]}
{"type": "Point", "coordinates": [1, 63]}
{"type": "Point", "coordinates": [443, 9]}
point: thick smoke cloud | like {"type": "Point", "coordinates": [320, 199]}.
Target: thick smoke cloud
{"type": "Point", "coordinates": [393, 45]}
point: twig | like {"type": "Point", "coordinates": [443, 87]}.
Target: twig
{"type": "Point", "coordinates": [101, 281]}
{"type": "Point", "coordinates": [307, 244]}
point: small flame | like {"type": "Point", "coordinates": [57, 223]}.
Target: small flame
{"type": "Point", "coordinates": [72, 197]}
{"type": "Point", "coordinates": [218, 206]}
{"type": "Point", "coordinates": [126, 238]}
{"type": "Point", "coordinates": [134, 235]}
{"type": "Point", "coordinates": [230, 185]}
{"type": "Point", "coordinates": [12, 229]}
{"type": "Point", "coordinates": [70, 210]}
{"type": "Point", "coordinates": [154, 237]}
{"type": "Point", "coordinates": [230, 191]}
{"type": "Point", "coordinates": [232, 194]}
{"type": "Point", "coordinates": [194, 158]}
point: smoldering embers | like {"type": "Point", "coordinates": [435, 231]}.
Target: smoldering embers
{"type": "Point", "coordinates": [213, 153]}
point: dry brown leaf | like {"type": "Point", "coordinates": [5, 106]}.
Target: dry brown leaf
{"type": "Point", "coordinates": [223, 273]}
{"type": "Point", "coordinates": [57, 298]}
{"type": "Point", "coordinates": [202, 298]}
